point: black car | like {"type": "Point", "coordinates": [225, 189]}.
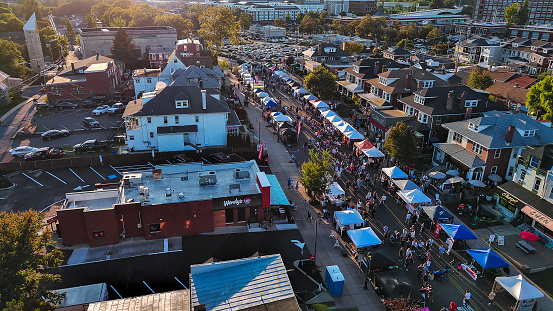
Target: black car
{"type": "Point", "coordinates": [221, 157]}
{"type": "Point", "coordinates": [66, 105]}
{"type": "Point", "coordinates": [43, 106]}
{"type": "Point", "coordinates": [91, 122]}
{"type": "Point", "coordinates": [89, 104]}
{"type": "Point", "coordinates": [54, 134]}
{"type": "Point", "coordinates": [98, 97]}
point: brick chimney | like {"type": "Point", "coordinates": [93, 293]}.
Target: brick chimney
{"type": "Point", "coordinates": [376, 68]}
{"type": "Point", "coordinates": [449, 102]}
{"type": "Point", "coordinates": [384, 68]}
{"type": "Point", "coordinates": [462, 102]}
{"type": "Point", "coordinates": [408, 82]}
{"type": "Point", "coordinates": [468, 113]}
{"type": "Point", "coordinates": [510, 133]}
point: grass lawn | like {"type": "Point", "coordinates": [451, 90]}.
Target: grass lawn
{"type": "Point", "coordinates": [343, 111]}
{"type": "Point", "coordinates": [14, 102]}
{"type": "Point", "coordinates": [543, 279]}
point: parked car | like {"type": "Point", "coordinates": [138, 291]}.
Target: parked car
{"type": "Point", "coordinates": [54, 134]}
{"type": "Point", "coordinates": [43, 106]}
{"type": "Point", "coordinates": [89, 104]}
{"type": "Point", "coordinates": [98, 97]}
{"type": "Point", "coordinates": [116, 108]}
{"type": "Point", "coordinates": [66, 105]}
{"type": "Point", "coordinates": [21, 151]}
{"type": "Point", "coordinates": [45, 153]}
{"type": "Point", "coordinates": [100, 110]}
{"type": "Point", "coordinates": [91, 122]}
{"type": "Point", "coordinates": [221, 157]}
{"type": "Point", "coordinates": [92, 145]}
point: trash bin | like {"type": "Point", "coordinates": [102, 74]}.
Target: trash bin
{"type": "Point", "coordinates": [330, 270]}
{"type": "Point", "coordinates": [336, 285]}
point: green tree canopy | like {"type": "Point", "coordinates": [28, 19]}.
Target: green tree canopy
{"type": "Point", "coordinates": [288, 18]}
{"type": "Point", "coordinates": [25, 265]}
{"type": "Point", "coordinates": [69, 32]}
{"type": "Point", "coordinates": [123, 48]}
{"type": "Point", "coordinates": [52, 44]}
{"type": "Point", "coordinates": [218, 24]}
{"type": "Point", "coordinates": [11, 59]}
{"type": "Point", "coordinates": [310, 24]}
{"type": "Point", "coordinates": [540, 99]}
{"type": "Point", "coordinates": [467, 10]}
{"type": "Point", "coordinates": [511, 14]}
{"type": "Point", "coordinates": [480, 79]}
{"type": "Point", "coordinates": [354, 47]}
{"type": "Point", "coordinates": [100, 9]}
{"type": "Point", "coordinates": [90, 21]}
{"type": "Point", "coordinates": [316, 174]}
{"type": "Point", "coordinates": [181, 25]}
{"type": "Point", "coordinates": [435, 35]}
{"type": "Point", "coordinates": [436, 4]}
{"type": "Point", "coordinates": [279, 22]}
{"type": "Point", "coordinates": [245, 21]}
{"type": "Point", "coordinates": [523, 14]}
{"type": "Point", "coordinates": [401, 144]}
{"type": "Point", "coordinates": [321, 82]}
{"type": "Point", "coordinates": [441, 48]}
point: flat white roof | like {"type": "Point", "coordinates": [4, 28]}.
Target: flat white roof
{"type": "Point", "coordinates": [97, 67]}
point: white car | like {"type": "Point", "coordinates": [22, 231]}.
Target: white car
{"type": "Point", "coordinates": [116, 108]}
{"type": "Point", "coordinates": [21, 151]}
{"type": "Point", "coordinates": [100, 110]}
{"type": "Point", "coordinates": [336, 200]}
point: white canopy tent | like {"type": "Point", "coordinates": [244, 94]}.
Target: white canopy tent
{"type": "Point", "coordinates": [415, 196]}
{"type": "Point", "coordinates": [310, 97]}
{"type": "Point", "coordinates": [405, 184]}
{"type": "Point", "coordinates": [301, 91]}
{"type": "Point", "coordinates": [334, 118]}
{"type": "Point", "coordinates": [346, 127]}
{"type": "Point", "coordinates": [262, 94]}
{"type": "Point", "coordinates": [373, 152]}
{"type": "Point", "coordinates": [348, 218]}
{"type": "Point", "coordinates": [394, 172]}
{"type": "Point", "coordinates": [524, 292]}
{"type": "Point", "coordinates": [282, 118]}
{"type": "Point", "coordinates": [328, 113]}
{"type": "Point", "coordinates": [354, 135]}
{"type": "Point", "coordinates": [335, 190]}
{"type": "Point", "coordinates": [320, 104]}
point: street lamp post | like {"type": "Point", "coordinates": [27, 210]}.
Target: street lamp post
{"type": "Point", "coordinates": [316, 234]}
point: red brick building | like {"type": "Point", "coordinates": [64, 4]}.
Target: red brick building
{"type": "Point", "coordinates": [174, 200]}
{"type": "Point", "coordinates": [97, 75]}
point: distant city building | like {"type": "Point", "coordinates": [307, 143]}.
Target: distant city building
{"type": "Point", "coordinates": [265, 32]}
{"type": "Point", "coordinates": [158, 56]}
{"type": "Point", "coordinates": [443, 19]}
{"type": "Point", "coordinates": [541, 11]}
{"type": "Point", "coordinates": [535, 32]}
{"type": "Point", "coordinates": [100, 40]}
{"type": "Point", "coordinates": [267, 11]}
{"type": "Point", "coordinates": [470, 28]}
{"type": "Point", "coordinates": [32, 40]}
{"type": "Point", "coordinates": [361, 6]}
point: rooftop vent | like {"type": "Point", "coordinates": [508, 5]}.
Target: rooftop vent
{"type": "Point", "coordinates": [239, 174]}
{"type": "Point", "coordinates": [157, 173]}
{"type": "Point", "coordinates": [131, 180]}
{"type": "Point", "coordinates": [168, 192]}
{"type": "Point", "coordinates": [208, 178]}
{"type": "Point", "coordinates": [233, 187]}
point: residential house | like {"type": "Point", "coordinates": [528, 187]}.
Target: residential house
{"type": "Point", "coordinates": [437, 105]}
{"type": "Point", "coordinates": [509, 94]}
{"type": "Point", "coordinates": [490, 144]}
{"type": "Point", "coordinates": [325, 52]}
{"type": "Point", "coordinates": [534, 171]}
{"type": "Point", "coordinates": [470, 50]}
{"type": "Point", "coordinates": [7, 83]}
{"type": "Point", "coordinates": [395, 52]}
{"type": "Point", "coordinates": [158, 56]}
{"type": "Point", "coordinates": [145, 80]}
{"type": "Point", "coordinates": [177, 118]}
{"type": "Point", "coordinates": [363, 70]}
{"type": "Point", "coordinates": [195, 76]}
{"type": "Point", "coordinates": [528, 55]}
{"type": "Point", "coordinates": [96, 75]}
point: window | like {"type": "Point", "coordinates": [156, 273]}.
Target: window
{"type": "Point", "coordinates": [382, 80]}
{"type": "Point", "coordinates": [176, 119]}
{"type": "Point", "coordinates": [438, 120]}
{"type": "Point", "coordinates": [386, 96]}
{"type": "Point", "coordinates": [131, 137]}
{"type": "Point", "coordinates": [551, 193]}
{"type": "Point", "coordinates": [419, 99]}
{"type": "Point", "coordinates": [409, 110]}
{"type": "Point", "coordinates": [229, 216]}
{"type": "Point", "coordinates": [422, 118]}
{"type": "Point", "coordinates": [149, 119]}
{"type": "Point", "coordinates": [471, 103]}
{"type": "Point", "coordinates": [473, 127]}
{"type": "Point", "coordinates": [534, 162]}
{"type": "Point", "coordinates": [477, 148]}
{"type": "Point", "coordinates": [537, 184]}
{"type": "Point", "coordinates": [511, 171]}
{"type": "Point", "coordinates": [154, 56]}
{"type": "Point", "coordinates": [155, 228]}
{"type": "Point", "coordinates": [525, 34]}
{"type": "Point", "coordinates": [197, 119]}
{"type": "Point", "coordinates": [193, 80]}
{"type": "Point", "coordinates": [514, 33]}
{"type": "Point", "coordinates": [57, 90]}
{"type": "Point", "coordinates": [493, 170]}
{"type": "Point", "coordinates": [175, 60]}
{"type": "Point", "coordinates": [545, 37]}
{"type": "Point", "coordinates": [148, 80]}
{"type": "Point", "coordinates": [165, 119]}
{"type": "Point", "coordinates": [427, 84]}
{"type": "Point", "coordinates": [98, 234]}
{"type": "Point", "coordinates": [181, 103]}
{"type": "Point", "coordinates": [77, 89]}
{"type": "Point", "coordinates": [529, 133]}
{"type": "Point", "coordinates": [535, 35]}
{"type": "Point", "coordinates": [522, 176]}
{"type": "Point", "coordinates": [497, 154]}
{"type": "Point", "coordinates": [136, 80]}
{"type": "Point", "coordinates": [151, 134]}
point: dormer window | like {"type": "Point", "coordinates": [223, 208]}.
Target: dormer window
{"type": "Point", "coordinates": [427, 84]}
{"type": "Point", "coordinates": [419, 99]}
{"type": "Point", "coordinates": [355, 68]}
{"type": "Point", "coordinates": [182, 103]}
{"type": "Point", "coordinates": [193, 80]}
{"type": "Point", "coordinates": [473, 127]}
{"type": "Point", "coordinates": [383, 80]}
{"type": "Point", "coordinates": [471, 103]}
{"type": "Point", "coordinates": [529, 133]}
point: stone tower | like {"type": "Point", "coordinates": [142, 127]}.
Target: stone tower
{"type": "Point", "coordinates": [32, 39]}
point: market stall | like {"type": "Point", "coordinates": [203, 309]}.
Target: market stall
{"type": "Point", "coordinates": [394, 172]}
{"type": "Point", "coordinates": [364, 237]}
{"type": "Point", "coordinates": [525, 294]}
{"type": "Point", "coordinates": [413, 198]}
{"type": "Point", "coordinates": [335, 194]}
{"type": "Point", "coordinates": [487, 258]}
{"type": "Point", "coordinates": [373, 153]}
{"type": "Point", "coordinates": [458, 233]}
{"type": "Point", "coordinates": [310, 97]}
{"type": "Point", "coordinates": [354, 135]}
{"type": "Point", "coordinates": [405, 184]}
{"type": "Point", "coordinates": [348, 219]}
{"type": "Point", "coordinates": [438, 213]}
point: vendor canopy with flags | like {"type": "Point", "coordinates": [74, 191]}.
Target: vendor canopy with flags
{"type": "Point", "coordinates": [373, 153]}
{"type": "Point", "coordinates": [394, 172]}
{"type": "Point", "coordinates": [310, 97]}
{"type": "Point", "coordinates": [519, 288]}
{"type": "Point", "coordinates": [364, 237]}
{"type": "Point", "coordinates": [487, 258]}
{"type": "Point", "coordinates": [349, 217]}
{"type": "Point", "coordinates": [415, 196]}
{"type": "Point", "coordinates": [437, 212]}
{"type": "Point", "coordinates": [458, 232]}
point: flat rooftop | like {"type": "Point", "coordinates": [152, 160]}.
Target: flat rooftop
{"type": "Point", "coordinates": [181, 181]}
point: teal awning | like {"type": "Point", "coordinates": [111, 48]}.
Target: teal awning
{"type": "Point", "coordinates": [277, 194]}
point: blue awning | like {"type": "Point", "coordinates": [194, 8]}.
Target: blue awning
{"type": "Point", "coordinates": [349, 217]}
{"type": "Point", "coordinates": [277, 194]}
{"type": "Point", "coordinates": [487, 258]}
{"type": "Point", "coordinates": [458, 232]}
{"type": "Point", "coordinates": [364, 237]}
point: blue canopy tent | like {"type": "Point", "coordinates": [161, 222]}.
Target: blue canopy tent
{"type": "Point", "coordinates": [258, 90]}
{"type": "Point", "coordinates": [364, 237]}
{"type": "Point", "coordinates": [270, 103]}
{"type": "Point", "coordinates": [348, 218]}
{"type": "Point", "coordinates": [458, 232]}
{"type": "Point", "coordinates": [438, 213]}
{"type": "Point", "coordinates": [487, 258]}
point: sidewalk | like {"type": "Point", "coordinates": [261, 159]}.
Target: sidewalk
{"type": "Point", "coordinates": [279, 161]}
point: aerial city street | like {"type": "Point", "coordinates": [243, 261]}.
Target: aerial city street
{"type": "Point", "coordinates": [343, 155]}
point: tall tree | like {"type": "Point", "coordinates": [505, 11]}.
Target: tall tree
{"type": "Point", "coordinates": [52, 44]}
{"type": "Point", "coordinates": [218, 24]}
{"type": "Point", "coordinates": [279, 22]}
{"type": "Point", "coordinates": [467, 10]}
{"type": "Point", "coordinates": [90, 21]}
{"type": "Point", "coordinates": [100, 9]}
{"type": "Point", "coordinates": [245, 21]}
{"type": "Point", "coordinates": [436, 4]}
{"type": "Point", "coordinates": [69, 32]}
{"type": "Point", "coordinates": [25, 264]}
{"type": "Point", "coordinates": [316, 174]}
{"type": "Point", "coordinates": [354, 47]}
{"type": "Point", "coordinates": [401, 144]}
{"type": "Point", "coordinates": [540, 99]}
{"type": "Point", "coordinates": [288, 18]}
{"type": "Point", "coordinates": [511, 14]}
{"type": "Point", "coordinates": [309, 24]}
{"type": "Point", "coordinates": [143, 14]}
{"type": "Point", "coordinates": [182, 26]}
{"type": "Point", "coordinates": [123, 48]}
{"type": "Point", "coordinates": [299, 17]}
{"type": "Point", "coordinates": [321, 82]}
{"type": "Point", "coordinates": [434, 35]}
{"type": "Point", "coordinates": [480, 79]}
{"type": "Point", "coordinates": [11, 59]}
{"type": "Point", "coordinates": [523, 13]}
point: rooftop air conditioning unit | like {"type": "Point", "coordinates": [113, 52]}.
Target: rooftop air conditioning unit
{"type": "Point", "coordinates": [131, 180]}
{"type": "Point", "coordinates": [240, 174]}
{"type": "Point", "coordinates": [208, 178]}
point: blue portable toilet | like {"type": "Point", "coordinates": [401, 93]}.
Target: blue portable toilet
{"type": "Point", "coordinates": [336, 285]}
{"type": "Point", "coordinates": [330, 270]}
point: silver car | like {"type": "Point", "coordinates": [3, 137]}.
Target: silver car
{"type": "Point", "coordinates": [21, 151]}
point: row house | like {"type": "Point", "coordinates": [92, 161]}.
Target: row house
{"type": "Point", "coordinates": [489, 144]}
{"type": "Point", "coordinates": [478, 49]}
{"type": "Point", "coordinates": [325, 52]}
{"type": "Point", "coordinates": [395, 52]}
{"type": "Point", "coordinates": [532, 56]}
{"type": "Point", "coordinates": [364, 70]}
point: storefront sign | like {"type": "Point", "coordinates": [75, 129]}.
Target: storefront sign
{"type": "Point", "coordinates": [253, 200]}
{"type": "Point", "coordinates": [538, 216]}
{"type": "Point", "coordinates": [509, 199]}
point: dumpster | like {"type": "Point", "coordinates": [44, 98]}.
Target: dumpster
{"type": "Point", "coordinates": [336, 285]}
{"type": "Point", "coordinates": [330, 270]}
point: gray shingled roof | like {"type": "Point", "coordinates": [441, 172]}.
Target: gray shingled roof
{"type": "Point", "coordinates": [494, 126]}
{"type": "Point", "coordinates": [460, 154]}
{"type": "Point", "coordinates": [194, 71]}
